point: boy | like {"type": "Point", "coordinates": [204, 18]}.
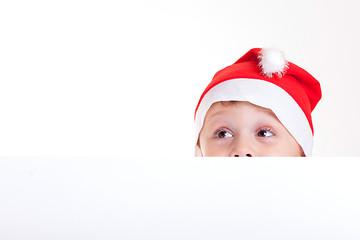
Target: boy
{"type": "Point", "coordinates": [259, 106]}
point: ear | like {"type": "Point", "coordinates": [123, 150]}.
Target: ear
{"type": "Point", "coordinates": [198, 152]}
{"type": "Point", "coordinates": [302, 153]}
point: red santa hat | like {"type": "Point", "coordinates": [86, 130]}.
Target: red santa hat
{"type": "Point", "coordinates": [265, 78]}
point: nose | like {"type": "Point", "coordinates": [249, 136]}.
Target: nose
{"type": "Point", "coordinates": [242, 147]}
{"type": "Point", "coordinates": [246, 155]}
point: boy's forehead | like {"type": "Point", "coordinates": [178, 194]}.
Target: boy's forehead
{"type": "Point", "coordinates": [232, 107]}
{"type": "Point", "coordinates": [228, 112]}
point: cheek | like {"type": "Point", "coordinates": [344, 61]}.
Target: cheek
{"type": "Point", "coordinates": [281, 148]}
{"type": "Point", "coordinates": [214, 147]}
{"type": "Point", "coordinates": [295, 150]}
{"type": "Point", "coordinates": [292, 148]}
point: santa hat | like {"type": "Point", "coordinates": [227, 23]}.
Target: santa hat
{"type": "Point", "coordinates": [265, 78]}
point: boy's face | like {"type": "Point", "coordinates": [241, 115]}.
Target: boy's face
{"type": "Point", "coordinates": [240, 129]}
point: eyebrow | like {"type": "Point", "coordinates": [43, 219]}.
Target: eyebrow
{"type": "Point", "coordinates": [216, 114]}
{"type": "Point", "coordinates": [216, 118]}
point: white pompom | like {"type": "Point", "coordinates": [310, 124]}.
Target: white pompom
{"type": "Point", "coordinates": [272, 61]}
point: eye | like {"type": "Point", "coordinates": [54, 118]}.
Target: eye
{"type": "Point", "coordinates": [223, 134]}
{"type": "Point", "coordinates": [265, 132]}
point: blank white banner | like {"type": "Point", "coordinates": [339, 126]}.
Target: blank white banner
{"type": "Point", "coordinates": [173, 198]}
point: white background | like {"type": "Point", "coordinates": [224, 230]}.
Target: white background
{"type": "Point", "coordinates": [122, 78]}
